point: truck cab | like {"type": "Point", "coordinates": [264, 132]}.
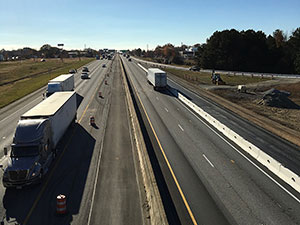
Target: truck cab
{"type": "Point", "coordinates": [30, 155]}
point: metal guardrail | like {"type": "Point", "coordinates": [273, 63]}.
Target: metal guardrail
{"type": "Point", "coordinates": [233, 73]}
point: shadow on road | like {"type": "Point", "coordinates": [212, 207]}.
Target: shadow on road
{"type": "Point", "coordinates": [67, 176]}
{"type": "Point", "coordinates": [174, 92]}
{"type": "Point", "coordinates": [79, 99]}
{"type": "Point", "coordinates": [95, 126]}
{"type": "Point", "coordinates": [168, 203]}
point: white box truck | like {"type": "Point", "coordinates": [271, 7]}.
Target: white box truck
{"type": "Point", "coordinates": [64, 82]}
{"type": "Point", "coordinates": [36, 137]}
{"type": "Point", "coordinates": [157, 78]}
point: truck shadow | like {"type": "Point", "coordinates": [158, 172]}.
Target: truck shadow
{"type": "Point", "coordinates": [174, 92]}
{"type": "Point", "coordinates": [67, 176]}
{"type": "Point", "coordinates": [79, 99]}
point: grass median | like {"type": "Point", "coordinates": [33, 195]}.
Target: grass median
{"type": "Point", "coordinates": [205, 78]}
{"type": "Point", "coordinates": [43, 72]}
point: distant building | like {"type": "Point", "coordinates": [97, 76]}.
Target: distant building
{"type": "Point", "coordinates": [1, 57]}
{"type": "Point", "coordinates": [73, 54]}
{"type": "Point", "coordinates": [189, 52]}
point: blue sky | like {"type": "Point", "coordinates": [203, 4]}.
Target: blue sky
{"type": "Point", "coordinates": [132, 24]}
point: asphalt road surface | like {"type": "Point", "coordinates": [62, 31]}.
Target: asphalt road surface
{"type": "Point", "coordinates": [76, 170]}
{"type": "Point", "coordinates": [117, 181]}
{"type": "Point", "coordinates": [221, 184]}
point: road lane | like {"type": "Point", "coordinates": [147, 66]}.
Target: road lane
{"type": "Point", "coordinates": [234, 186]}
{"type": "Point", "coordinates": [117, 199]}
{"type": "Point", "coordinates": [80, 158]}
{"type": "Point", "coordinates": [202, 205]}
{"type": "Point", "coordinates": [284, 152]}
{"type": "Point", "coordinates": [18, 208]}
{"type": "Point", "coordinates": [10, 114]}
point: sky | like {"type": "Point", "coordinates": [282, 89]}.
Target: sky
{"type": "Point", "coordinates": [129, 24]}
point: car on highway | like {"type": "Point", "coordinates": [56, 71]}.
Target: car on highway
{"type": "Point", "coordinates": [84, 75]}
{"type": "Point", "coordinates": [85, 69]}
{"type": "Point", "coordinates": [103, 65]}
{"type": "Point", "coordinates": [195, 68]}
{"type": "Point", "coordinates": [129, 59]}
{"type": "Point", "coordinates": [72, 71]}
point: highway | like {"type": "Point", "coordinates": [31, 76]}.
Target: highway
{"type": "Point", "coordinates": [220, 183]}
{"type": "Point", "coordinates": [83, 150]}
{"type": "Point", "coordinates": [203, 177]}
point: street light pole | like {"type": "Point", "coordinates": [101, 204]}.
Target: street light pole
{"type": "Point", "coordinates": [61, 50]}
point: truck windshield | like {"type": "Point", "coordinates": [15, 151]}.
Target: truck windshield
{"type": "Point", "coordinates": [24, 151]}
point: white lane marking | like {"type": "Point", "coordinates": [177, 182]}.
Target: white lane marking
{"type": "Point", "coordinates": [212, 165]}
{"type": "Point", "coordinates": [20, 109]}
{"type": "Point", "coordinates": [249, 160]}
{"type": "Point", "coordinates": [180, 127]}
{"type": "Point", "coordinates": [166, 109]}
{"type": "Point", "coordinates": [95, 184]}
{"type": "Point", "coordinates": [157, 98]}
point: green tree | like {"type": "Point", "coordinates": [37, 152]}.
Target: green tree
{"type": "Point", "coordinates": [49, 52]}
{"type": "Point", "coordinates": [279, 37]}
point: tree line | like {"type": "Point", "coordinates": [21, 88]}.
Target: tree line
{"type": "Point", "coordinates": [251, 51]}
{"type": "Point", "coordinates": [46, 51]}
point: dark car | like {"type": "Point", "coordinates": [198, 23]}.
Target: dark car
{"type": "Point", "coordinates": [195, 68]}
{"type": "Point", "coordinates": [84, 75]}
{"type": "Point", "coordinates": [103, 65]}
{"type": "Point", "coordinates": [85, 69]}
{"type": "Point", "coordinates": [129, 59]}
{"type": "Point", "coordinates": [73, 71]}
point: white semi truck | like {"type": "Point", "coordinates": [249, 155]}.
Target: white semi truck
{"type": "Point", "coordinates": [157, 78]}
{"type": "Point", "coordinates": [64, 82]}
{"type": "Point", "coordinates": [36, 137]}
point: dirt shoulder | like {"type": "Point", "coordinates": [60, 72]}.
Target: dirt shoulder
{"type": "Point", "coordinates": [283, 122]}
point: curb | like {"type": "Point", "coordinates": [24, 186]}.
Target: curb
{"type": "Point", "coordinates": [156, 209]}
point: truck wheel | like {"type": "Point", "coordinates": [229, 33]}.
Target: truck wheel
{"type": "Point", "coordinates": [40, 177]}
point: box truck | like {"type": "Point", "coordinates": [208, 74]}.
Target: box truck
{"type": "Point", "coordinates": [157, 78]}
{"type": "Point", "coordinates": [64, 82]}
{"type": "Point", "coordinates": [36, 137]}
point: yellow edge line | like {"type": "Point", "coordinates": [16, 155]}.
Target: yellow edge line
{"type": "Point", "coordinates": [169, 165]}
{"type": "Point", "coordinates": [57, 162]}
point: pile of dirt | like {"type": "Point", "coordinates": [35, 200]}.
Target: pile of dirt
{"type": "Point", "coordinates": [276, 98]}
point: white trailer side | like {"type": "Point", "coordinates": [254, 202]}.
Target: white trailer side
{"type": "Point", "coordinates": [60, 108]}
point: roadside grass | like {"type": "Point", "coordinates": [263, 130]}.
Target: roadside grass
{"type": "Point", "coordinates": [152, 60]}
{"type": "Point", "coordinates": [16, 90]}
{"type": "Point", "coordinates": [12, 70]}
{"type": "Point", "coordinates": [205, 78]}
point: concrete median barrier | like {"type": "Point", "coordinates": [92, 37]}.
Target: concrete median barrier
{"type": "Point", "coordinates": [274, 166]}
{"type": "Point", "coordinates": [157, 213]}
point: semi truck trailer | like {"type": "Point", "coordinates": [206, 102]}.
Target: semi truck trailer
{"type": "Point", "coordinates": [157, 78]}
{"type": "Point", "coordinates": [36, 137]}
{"type": "Point", "coordinates": [64, 82]}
